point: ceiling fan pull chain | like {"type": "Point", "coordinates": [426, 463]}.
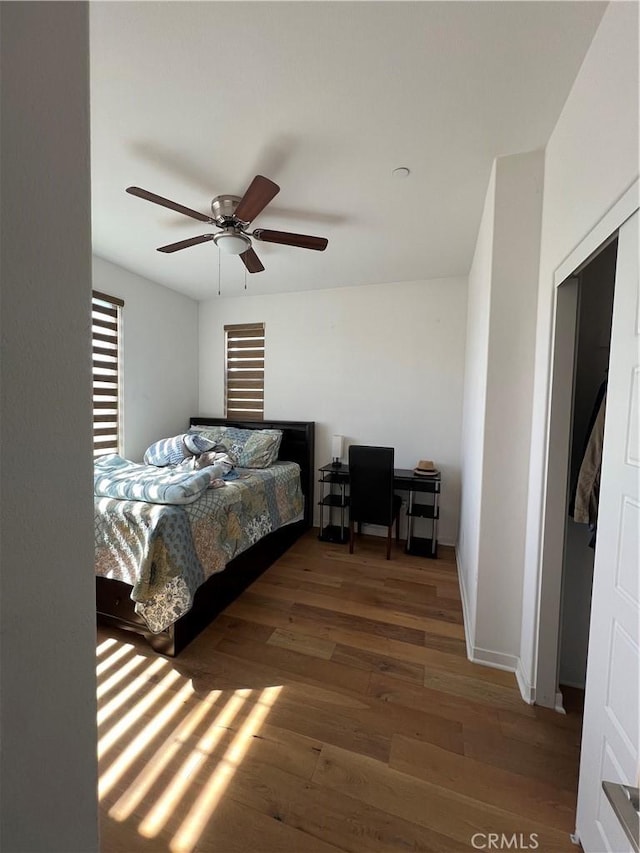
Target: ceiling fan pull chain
{"type": "Point", "coordinates": [245, 278]}
{"type": "Point", "coordinates": [218, 273]}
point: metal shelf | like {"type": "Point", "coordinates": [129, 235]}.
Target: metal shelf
{"type": "Point", "coordinates": [335, 499]}
{"type": "Point", "coordinates": [334, 533]}
{"type": "Point", "coordinates": [424, 511]}
{"type": "Point", "coordinates": [422, 547]}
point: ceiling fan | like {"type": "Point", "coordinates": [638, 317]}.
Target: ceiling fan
{"type": "Point", "coordinates": [232, 215]}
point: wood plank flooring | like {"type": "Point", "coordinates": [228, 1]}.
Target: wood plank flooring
{"type": "Point", "coordinates": [330, 708]}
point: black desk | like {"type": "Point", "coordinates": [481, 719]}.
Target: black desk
{"type": "Point", "coordinates": [404, 480]}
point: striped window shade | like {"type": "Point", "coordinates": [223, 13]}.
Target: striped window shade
{"type": "Point", "coordinates": [244, 371]}
{"type": "Point", "coordinates": [105, 329]}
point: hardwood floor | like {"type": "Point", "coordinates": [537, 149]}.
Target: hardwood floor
{"type": "Point", "coordinates": [330, 708]}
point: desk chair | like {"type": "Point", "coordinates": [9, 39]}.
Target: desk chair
{"type": "Point", "coordinates": [371, 497]}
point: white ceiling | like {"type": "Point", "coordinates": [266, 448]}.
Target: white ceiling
{"type": "Point", "coordinates": [191, 100]}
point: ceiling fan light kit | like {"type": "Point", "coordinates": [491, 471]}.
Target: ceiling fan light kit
{"type": "Point", "coordinates": [233, 214]}
{"type": "Point", "coordinates": [231, 241]}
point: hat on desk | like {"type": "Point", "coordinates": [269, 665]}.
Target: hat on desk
{"type": "Point", "coordinates": [426, 467]}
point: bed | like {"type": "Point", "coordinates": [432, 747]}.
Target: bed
{"type": "Point", "coordinates": [114, 602]}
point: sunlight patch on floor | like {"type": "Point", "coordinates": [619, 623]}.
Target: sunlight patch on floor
{"type": "Point", "coordinates": [181, 781]}
{"type": "Point", "coordinates": [163, 774]}
{"type": "Point", "coordinates": [122, 726]}
{"type": "Point", "coordinates": [119, 675]}
{"type": "Point", "coordinates": [163, 756]}
{"type": "Point", "coordinates": [105, 645]}
{"type": "Point", "coordinates": [141, 741]}
{"type": "Point", "coordinates": [107, 663]}
{"type": "Point", "coordinates": [191, 828]}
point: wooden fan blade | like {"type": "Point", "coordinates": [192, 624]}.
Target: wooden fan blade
{"type": "Point", "coordinates": [166, 202]}
{"type": "Point", "coordinates": [184, 244]}
{"type": "Point", "coordinates": [251, 261]}
{"type": "Point", "coordinates": [260, 192]}
{"type": "Point", "coordinates": [304, 241]}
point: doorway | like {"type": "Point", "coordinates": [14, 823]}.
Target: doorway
{"type": "Point", "coordinates": [554, 508]}
{"type": "Point", "coordinates": [609, 745]}
{"type": "Point", "coordinates": [595, 284]}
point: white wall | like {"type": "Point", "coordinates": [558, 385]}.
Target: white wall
{"type": "Point", "coordinates": [510, 372]}
{"type": "Point", "coordinates": [381, 364]}
{"type": "Point", "coordinates": [47, 608]}
{"type": "Point", "coordinates": [590, 160]}
{"type": "Point", "coordinates": [474, 405]}
{"type": "Point", "coordinates": [498, 391]}
{"type": "Point", "coordinates": [160, 356]}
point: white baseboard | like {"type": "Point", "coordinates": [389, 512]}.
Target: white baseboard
{"type": "Point", "coordinates": [510, 663]}
{"type": "Point", "coordinates": [498, 660]}
{"type": "Point", "coordinates": [559, 707]}
{"type": "Point", "coordinates": [466, 620]}
{"type": "Point", "coordinates": [527, 690]}
{"type": "Point", "coordinates": [487, 657]}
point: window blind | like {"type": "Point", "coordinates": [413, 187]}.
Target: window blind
{"type": "Point", "coordinates": [244, 371]}
{"type": "Point", "coordinates": [105, 332]}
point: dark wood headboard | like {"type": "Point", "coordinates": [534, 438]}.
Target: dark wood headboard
{"type": "Point", "coordinates": [298, 445]}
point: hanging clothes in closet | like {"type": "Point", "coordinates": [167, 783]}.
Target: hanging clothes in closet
{"type": "Point", "coordinates": [587, 494]}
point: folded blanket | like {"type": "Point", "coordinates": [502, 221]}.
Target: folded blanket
{"type": "Point", "coordinates": [115, 477]}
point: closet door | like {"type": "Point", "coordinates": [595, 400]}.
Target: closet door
{"type": "Point", "coordinates": [610, 733]}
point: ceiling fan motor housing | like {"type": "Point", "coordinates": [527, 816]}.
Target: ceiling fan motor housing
{"type": "Point", "coordinates": [223, 208]}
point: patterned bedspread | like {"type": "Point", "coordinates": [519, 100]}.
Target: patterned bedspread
{"type": "Point", "coordinates": [166, 552]}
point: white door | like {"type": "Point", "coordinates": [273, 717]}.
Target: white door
{"type": "Point", "coordinates": [610, 733]}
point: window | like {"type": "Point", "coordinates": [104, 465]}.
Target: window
{"type": "Point", "coordinates": [244, 371]}
{"type": "Point", "coordinates": [105, 329]}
